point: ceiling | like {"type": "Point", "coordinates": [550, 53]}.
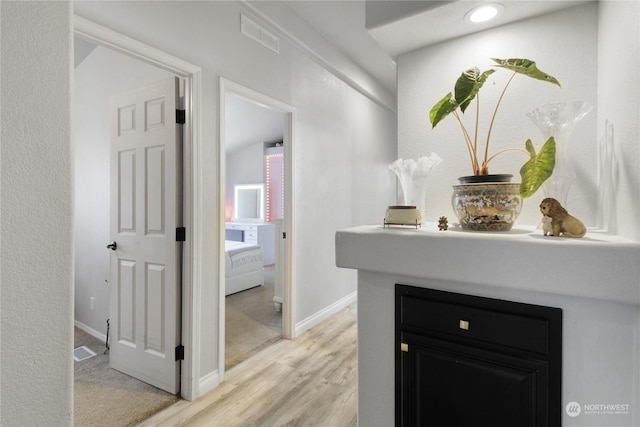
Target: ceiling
{"type": "Point", "coordinates": [81, 49]}
{"type": "Point", "coordinates": [247, 123]}
{"type": "Point", "coordinates": [343, 24]}
{"type": "Point", "coordinates": [399, 26]}
{"type": "Point", "coordinates": [402, 26]}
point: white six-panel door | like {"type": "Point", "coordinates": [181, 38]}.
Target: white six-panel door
{"type": "Point", "coordinates": [144, 292]}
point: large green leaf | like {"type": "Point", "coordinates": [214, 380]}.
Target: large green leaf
{"type": "Point", "coordinates": [468, 85]}
{"type": "Point", "coordinates": [526, 67]}
{"type": "Point", "coordinates": [442, 109]}
{"type": "Point", "coordinates": [538, 168]}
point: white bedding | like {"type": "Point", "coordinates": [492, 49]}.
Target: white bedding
{"type": "Point", "coordinates": [244, 266]}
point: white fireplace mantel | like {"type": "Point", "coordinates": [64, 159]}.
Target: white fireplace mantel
{"type": "Point", "coordinates": [599, 265]}
{"type": "Point", "coordinates": [595, 280]}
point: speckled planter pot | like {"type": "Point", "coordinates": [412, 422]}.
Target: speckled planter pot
{"type": "Point", "coordinates": [487, 206]}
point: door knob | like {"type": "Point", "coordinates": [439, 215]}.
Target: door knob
{"type": "Point", "coordinates": [113, 246]}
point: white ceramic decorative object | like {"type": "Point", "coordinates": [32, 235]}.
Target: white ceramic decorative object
{"type": "Point", "coordinates": [403, 215]}
{"type": "Point", "coordinates": [412, 175]}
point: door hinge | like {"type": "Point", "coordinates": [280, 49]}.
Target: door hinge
{"type": "Point", "coordinates": [179, 352]}
{"type": "Point", "coordinates": [181, 234]}
{"type": "Point", "coordinates": [181, 117]}
{"type": "Point", "coordinates": [404, 347]}
{"type": "Point", "coordinates": [284, 234]}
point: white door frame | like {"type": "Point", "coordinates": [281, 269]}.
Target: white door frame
{"type": "Point", "coordinates": [227, 86]}
{"type": "Point", "coordinates": [193, 195]}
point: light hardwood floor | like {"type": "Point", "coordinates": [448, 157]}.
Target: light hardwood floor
{"type": "Point", "coordinates": [308, 381]}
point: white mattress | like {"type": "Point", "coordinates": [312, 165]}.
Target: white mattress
{"type": "Point", "coordinates": [242, 257]}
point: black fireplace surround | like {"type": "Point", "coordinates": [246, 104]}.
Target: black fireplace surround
{"type": "Point", "coordinates": [468, 361]}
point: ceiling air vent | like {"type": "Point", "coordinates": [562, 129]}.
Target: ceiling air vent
{"type": "Point", "coordinates": [251, 29]}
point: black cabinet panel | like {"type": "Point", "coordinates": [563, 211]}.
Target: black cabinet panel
{"type": "Point", "coordinates": [470, 361]}
{"type": "Point", "coordinates": [458, 386]}
{"type": "Point", "coordinates": [508, 329]}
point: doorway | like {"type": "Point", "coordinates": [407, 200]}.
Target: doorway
{"type": "Point", "coordinates": [95, 378]}
{"type": "Point", "coordinates": [191, 76]}
{"type": "Point", "coordinates": [259, 160]}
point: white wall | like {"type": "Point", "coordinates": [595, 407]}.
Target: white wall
{"type": "Point", "coordinates": [103, 73]}
{"type": "Point", "coordinates": [343, 143]}
{"type": "Point", "coordinates": [36, 169]}
{"type": "Point", "coordinates": [618, 117]}
{"type": "Point", "coordinates": [564, 44]}
{"type": "Point", "coordinates": [36, 263]}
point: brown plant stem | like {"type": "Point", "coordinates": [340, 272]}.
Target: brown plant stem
{"type": "Point", "coordinates": [467, 138]}
{"type": "Point", "coordinates": [485, 164]}
{"type": "Point", "coordinates": [475, 137]}
{"type": "Point", "coordinates": [495, 112]}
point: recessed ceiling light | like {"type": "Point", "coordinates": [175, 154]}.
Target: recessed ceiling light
{"type": "Point", "coordinates": [484, 13]}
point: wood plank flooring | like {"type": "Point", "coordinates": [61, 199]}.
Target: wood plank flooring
{"type": "Point", "coordinates": [308, 381]}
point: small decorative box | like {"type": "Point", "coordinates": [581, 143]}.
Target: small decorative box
{"type": "Point", "coordinates": [403, 215]}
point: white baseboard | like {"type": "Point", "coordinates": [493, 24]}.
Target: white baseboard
{"type": "Point", "coordinates": [90, 331]}
{"type": "Point", "coordinates": [211, 380]}
{"type": "Point", "coordinates": [208, 383]}
{"type": "Point", "coordinates": [325, 313]}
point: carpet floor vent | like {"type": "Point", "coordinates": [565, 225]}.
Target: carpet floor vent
{"type": "Point", "coordinates": [82, 353]}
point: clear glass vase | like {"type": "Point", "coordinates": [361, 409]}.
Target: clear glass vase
{"type": "Point", "coordinates": [558, 120]}
{"type": "Point", "coordinates": [412, 175]}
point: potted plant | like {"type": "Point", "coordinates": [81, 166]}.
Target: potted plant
{"type": "Point", "coordinates": [483, 206]}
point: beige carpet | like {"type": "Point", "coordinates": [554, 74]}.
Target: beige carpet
{"type": "Point", "coordinates": [252, 323]}
{"type": "Point", "coordinates": [106, 397]}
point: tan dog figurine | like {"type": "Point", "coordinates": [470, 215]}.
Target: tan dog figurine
{"type": "Point", "coordinates": [562, 224]}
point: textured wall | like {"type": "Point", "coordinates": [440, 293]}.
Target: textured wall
{"type": "Point", "coordinates": [37, 250]}
{"type": "Point", "coordinates": [564, 44]}
{"type": "Point", "coordinates": [618, 124]}
{"type": "Point", "coordinates": [344, 142]}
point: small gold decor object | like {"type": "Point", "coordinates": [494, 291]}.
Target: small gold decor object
{"type": "Point", "coordinates": [464, 324]}
{"type": "Point", "coordinates": [404, 347]}
{"type": "Point", "coordinates": [403, 215]}
{"type": "Point", "coordinates": [443, 223]}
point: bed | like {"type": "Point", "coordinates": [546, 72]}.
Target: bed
{"type": "Point", "coordinates": [244, 266]}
